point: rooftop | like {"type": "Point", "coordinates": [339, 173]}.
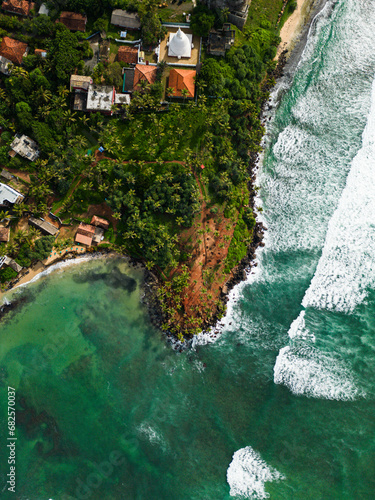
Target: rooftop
{"type": "Point", "coordinates": [180, 79]}
{"type": "Point", "coordinates": [73, 21]}
{"type": "Point", "coordinates": [80, 82]}
{"type": "Point", "coordinates": [44, 226]}
{"type": "Point", "coordinates": [144, 72]}
{"type": "Point", "coordinates": [98, 221]}
{"type": "Point", "coordinates": [100, 97]}
{"type": "Point", "coordinates": [41, 52]}
{"type": "Point", "coordinates": [9, 195]}
{"type": "Point", "coordinates": [20, 7]}
{"type": "Point", "coordinates": [128, 54]}
{"type": "Point", "coordinates": [125, 19]}
{"type": "Point", "coordinates": [13, 50]}
{"type": "Point", "coordinates": [122, 99]}
{"type": "Point", "coordinates": [86, 229]}
{"type": "Point", "coordinates": [25, 147]}
{"type": "Point", "coordinates": [85, 240]}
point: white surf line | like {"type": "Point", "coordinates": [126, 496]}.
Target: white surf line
{"type": "Point", "coordinates": [345, 271]}
{"type": "Point", "coordinates": [248, 474]}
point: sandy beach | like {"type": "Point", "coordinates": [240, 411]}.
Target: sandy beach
{"type": "Point", "coordinates": [56, 256]}
{"type": "Point", "coordinates": [292, 29]}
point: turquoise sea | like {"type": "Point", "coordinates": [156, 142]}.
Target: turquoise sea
{"type": "Point", "coordinates": [282, 404]}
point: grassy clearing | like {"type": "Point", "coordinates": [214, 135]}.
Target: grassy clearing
{"type": "Point", "coordinates": [262, 11]}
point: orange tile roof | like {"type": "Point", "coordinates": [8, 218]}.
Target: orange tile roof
{"type": "Point", "coordinates": [180, 79]}
{"type": "Point", "coordinates": [85, 240]}
{"type": "Point", "coordinates": [21, 7]}
{"type": "Point", "coordinates": [98, 221]}
{"type": "Point", "coordinates": [13, 49]}
{"type": "Point", "coordinates": [144, 72]}
{"type": "Point", "coordinates": [128, 55]}
{"type": "Point", "coordinates": [73, 21]}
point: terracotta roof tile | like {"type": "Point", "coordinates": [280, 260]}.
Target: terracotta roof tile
{"type": "Point", "coordinates": [144, 72]}
{"type": "Point", "coordinates": [128, 55]}
{"type": "Point", "coordinates": [98, 221]}
{"type": "Point", "coordinates": [73, 21]}
{"type": "Point", "coordinates": [180, 79]}
{"type": "Point", "coordinates": [85, 240]}
{"type": "Point", "coordinates": [13, 49]}
{"type": "Point", "coordinates": [21, 7]}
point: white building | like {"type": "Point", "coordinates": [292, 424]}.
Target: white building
{"type": "Point", "coordinates": [100, 98]}
{"type": "Point", "coordinates": [25, 147]}
{"type": "Point", "coordinates": [9, 196]}
{"type": "Point", "coordinates": [180, 44]}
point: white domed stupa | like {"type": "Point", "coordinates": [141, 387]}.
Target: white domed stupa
{"type": "Point", "coordinates": [179, 44]}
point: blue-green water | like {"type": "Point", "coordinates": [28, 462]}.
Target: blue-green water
{"type": "Point", "coordinates": [282, 404]}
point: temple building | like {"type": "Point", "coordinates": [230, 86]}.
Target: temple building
{"type": "Point", "coordinates": [180, 44]}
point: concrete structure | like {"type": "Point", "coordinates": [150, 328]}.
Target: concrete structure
{"type": "Point", "coordinates": [125, 19]}
{"type": "Point", "coordinates": [220, 41]}
{"type": "Point", "coordinates": [128, 79]}
{"type": "Point", "coordinates": [73, 21]}
{"type": "Point", "coordinates": [100, 98]}
{"type": "Point", "coordinates": [44, 226]}
{"type": "Point", "coordinates": [19, 7]}
{"type": "Point", "coordinates": [122, 100]}
{"type": "Point", "coordinates": [238, 10]}
{"type": "Point", "coordinates": [9, 196]}
{"type": "Point", "coordinates": [25, 147]}
{"type": "Point", "coordinates": [180, 44]}
{"type": "Point", "coordinates": [6, 175]}
{"type": "Point", "coordinates": [5, 65]}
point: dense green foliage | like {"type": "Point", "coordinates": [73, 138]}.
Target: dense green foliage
{"type": "Point", "coordinates": [7, 274]}
{"type": "Point", "coordinates": [202, 20]}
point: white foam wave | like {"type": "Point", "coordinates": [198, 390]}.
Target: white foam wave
{"type": "Point", "coordinates": [306, 371]}
{"type": "Point", "coordinates": [247, 474]}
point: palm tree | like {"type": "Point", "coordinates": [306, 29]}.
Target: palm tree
{"type": "Point", "coordinates": [12, 248]}
{"type": "Point", "coordinates": [184, 93]}
{"type": "Point", "coordinates": [170, 91]}
{"type": "Point", "coordinates": [20, 236]}
{"type": "Point", "coordinates": [4, 215]}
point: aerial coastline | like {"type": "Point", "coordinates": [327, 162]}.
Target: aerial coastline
{"type": "Point", "coordinates": [187, 315]}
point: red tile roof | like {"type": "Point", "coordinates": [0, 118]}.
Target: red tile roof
{"type": "Point", "coordinates": [85, 240]}
{"type": "Point", "coordinates": [86, 229]}
{"type": "Point", "coordinates": [99, 222]}
{"type": "Point", "coordinates": [144, 72]}
{"type": "Point", "coordinates": [73, 21]}
{"type": "Point", "coordinates": [128, 55]}
{"type": "Point", "coordinates": [21, 7]}
{"type": "Point", "coordinates": [180, 79]}
{"type": "Point", "coordinates": [13, 49]}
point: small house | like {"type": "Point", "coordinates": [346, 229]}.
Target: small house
{"type": "Point", "coordinates": [182, 79]}
{"type": "Point", "coordinates": [125, 19]}
{"type": "Point", "coordinates": [44, 226]}
{"type": "Point", "coordinates": [80, 83]}
{"type": "Point", "coordinates": [100, 98]}
{"type": "Point", "coordinates": [25, 147]}
{"type": "Point", "coordinates": [220, 41]}
{"type": "Point", "coordinates": [73, 21]}
{"type": "Point", "coordinates": [128, 54]}
{"type": "Point", "coordinates": [99, 222]}
{"type": "Point", "coordinates": [6, 175]}
{"type": "Point", "coordinates": [88, 234]}
{"type": "Point", "coordinates": [41, 53]}
{"type": "Point", "coordinates": [144, 72]}
{"type": "Point", "coordinates": [11, 52]}
{"type": "Point", "coordinates": [19, 7]}
{"type": "Point", "coordinates": [9, 196]}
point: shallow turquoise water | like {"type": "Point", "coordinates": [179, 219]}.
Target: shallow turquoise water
{"type": "Point", "coordinates": [108, 411]}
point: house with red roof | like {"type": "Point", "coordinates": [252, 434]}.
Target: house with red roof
{"type": "Point", "coordinates": [11, 52]}
{"type": "Point", "coordinates": [128, 54]}
{"type": "Point", "coordinates": [19, 7]}
{"type": "Point", "coordinates": [73, 21]}
{"type": "Point", "coordinates": [144, 72]}
{"type": "Point", "coordinates": [182, 79]}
